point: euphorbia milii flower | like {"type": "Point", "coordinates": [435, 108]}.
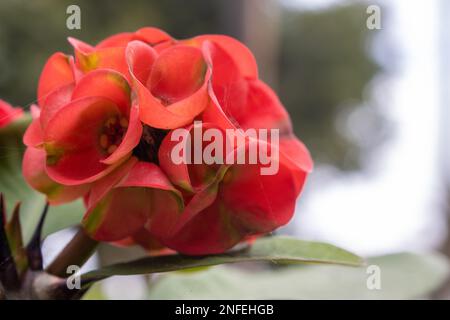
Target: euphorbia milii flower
{"type": "Point", "coordinates": [90, 135]}
{"type": "Point", "coordinates": [175, 89]}
{"type": "Point", "coordinates": [87, 128]}
{"type": "Point", "coordinates": [103, 131]}
{"type": "Point", "coordinates": [8, 114]}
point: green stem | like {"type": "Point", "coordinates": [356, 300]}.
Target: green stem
{"type": "Point", "coordinates": [77, 252]}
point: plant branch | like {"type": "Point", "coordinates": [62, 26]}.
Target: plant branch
{"type": "Point", "coordinates": [77, 252]}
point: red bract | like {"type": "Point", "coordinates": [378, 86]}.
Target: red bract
{"type": "Point", "coordinates": [104, 130]}
{"type": "Point", "coordinates": [8, 114]}
{"type": "Point", "coordinates": [171, 87]}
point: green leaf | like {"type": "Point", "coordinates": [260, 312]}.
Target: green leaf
{"type": "Point", "coordinates": [15, 189]}
{"type": "Point", "coordinates": [273, 249]}
{"type": "Point", "coordinates": [403, 276]}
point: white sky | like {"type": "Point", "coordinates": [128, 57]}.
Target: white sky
{"type": "Point", "coordinates": [398, 206]}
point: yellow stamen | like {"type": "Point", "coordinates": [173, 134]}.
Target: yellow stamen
{"type": "Point", "coordinates": [104, 141]}
{"type": "Point", "coordinates": [124, 122]}
{"type": "Point", "coordinates": [111, 121]}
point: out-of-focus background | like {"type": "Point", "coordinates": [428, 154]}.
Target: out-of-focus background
{"type": "Point", "coordinates": [371, 105]}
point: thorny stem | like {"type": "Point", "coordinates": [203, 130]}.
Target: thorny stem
{"type": "Point", "coordinates": [77, 252]}
{"type": "Point", "coordinates": [35, 283]}
{"type": "Point", "coordinates": [33, 249]}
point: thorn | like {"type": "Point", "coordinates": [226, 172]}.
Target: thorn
{"type": "Point", "coordinates": [14, 234]}
{"type": "Point", "coordinates": [16, 214]}
{"type": "Point", "coordinates": [14, 230]}
{"type": "Point", "coordinates": [8, 272]}
{"type": "Point", "coordinates": [34, 252]}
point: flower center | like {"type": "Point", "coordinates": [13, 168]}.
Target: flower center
{"type": "Point", "coordinates": [112, 133]}
{"type": "Point", "coordinates": [147, 149]}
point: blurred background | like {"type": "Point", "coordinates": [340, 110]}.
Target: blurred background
{"type": "Point", "coordinates": [371, 105]}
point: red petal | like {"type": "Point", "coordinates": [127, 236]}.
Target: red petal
{"type": "Point", "coordinates": [188, 175]}
{"type": "Point", "coordinates": [266, 108]}
{"type": "Point", "coordinates": [35, 111]}
{"type": "Point", "coordinates": [252, 104]}
{"type": "Point", "coordinates": [117, 40]}
{"type": "Point", "coordinates": [105, 83]}
{"type": "Point", "coordinates": [143, 195]}
{"type": "Point", "coordinates": [152, 36]}
{"type": "Point", "coordinates": [72, 141]}
{"type": "Point", "coordinates": [295, 155]}
{"type": "Point", "coordinates": [177, 73]}
{"type": "Point", "coordinates": [297, 152]}
{"type": "Point", "coordinates": [140, 58]}
{"type": "Point", "coordinates": [166, 202]}
{"type": "Point", "coordinates": [56, 100]}
{"type": "Point", "coordinates": [8, 114]}
{"type": "Point", "coordinates": [33, 135]}
{"type": "Point", "coordinates": [182, 76]}
{"type": "Point", "coordinates": [102, 186]}
{"type": "Point", "coordinates": [149, 175]}
{"type": "Point", "coordinates": [201, 201]}
{"type": "Point", "coordinates": [159, 48]}
{"type": "Point", "coordinates": [33, 168]}
{"type": "Point", "coordinates": [226, 70]}
{"type": "Point", "coordinates": [153, 112]}
{"type": "Point", "coordinates": [238, 52]}
{"type": "Point", "coordinates": [57, 72]}
{"type": "Point", "coordinates": [80, 46]}
{"type": "Point", "coordinates": [88, 58]}
{"type": "Point", "coordinates": [214, 114]}
{"type": "Point", "coordinates": [231, 100]}
{"type": "Point", "coordinates": [177, 173]}
{"type": "Point", "coordinates": [268, 201]}
{"type": "Point", "coordinates": [205, 234]}
{"type": "Point", "coordinates": [77, 73]}
{"type": "Point", "coordinates": [120, 214]}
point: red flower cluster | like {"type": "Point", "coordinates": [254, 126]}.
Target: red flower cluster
{"type": "Point", "coordinates": [102, 132]}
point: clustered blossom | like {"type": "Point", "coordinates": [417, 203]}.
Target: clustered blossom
{"type": "Point", "coordinates": [101, 131]}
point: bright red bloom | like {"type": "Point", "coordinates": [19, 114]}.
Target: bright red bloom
{"type": "Point", "coordinates": [174, 90]}
{"type": "Point", "coordinates": [8, 114]}
{"type": "Point", "coordinates": [104, 132]}
{"type": "Point", "coordinates": [86, 128]}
